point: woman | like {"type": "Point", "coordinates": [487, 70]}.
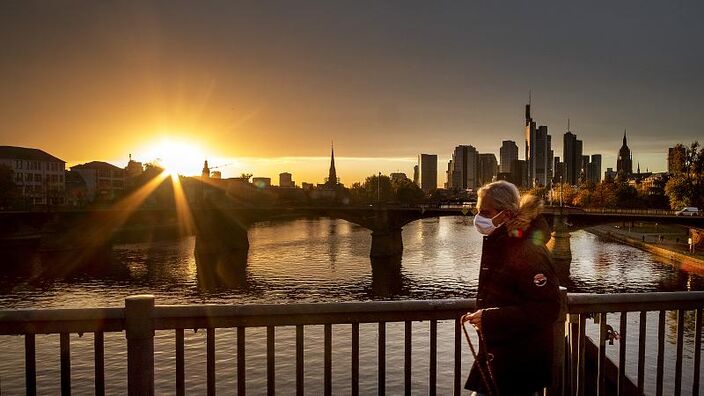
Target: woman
{"type": "Point", "coordinates": [518, 294]}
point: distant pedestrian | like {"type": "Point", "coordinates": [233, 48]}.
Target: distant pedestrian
{"type": "Point", "coordinates": [518, 295]}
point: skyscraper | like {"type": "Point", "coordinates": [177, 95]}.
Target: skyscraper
{"type": "Point", "coordinates": [594, 169]}
{"type": "Point", "coordinates": [572, 157]}
{"type": "Point", "coordinates": [462, 170]}
{"type": "Point", "coordinates": [624, 163]}
{"type": "Point", "coordinates": [507, 153]}
{"type": "Point", "coordinates": [538, 152]}
{"type": "Point", "coordinates": [428, 172]}
{"type": "Point", "coordinates": [488, 169]}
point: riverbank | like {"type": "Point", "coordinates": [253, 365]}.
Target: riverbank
{"type": "Point", "coordinates": [669, 242]}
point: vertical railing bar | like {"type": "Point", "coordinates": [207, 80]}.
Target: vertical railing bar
{"type": "Point", "coordinates": [407, 357]}
{"type": "Point", "coordinates": [327, 378]}
{"type": "Point", "coordinates": [621, 382]}
{"type": "Point", "coordinates": [241, 381]}
{"type": "Point", "coordinates": [300, 380]}
{"type": "Point", "coordinates": [581, 375]}
{"type": "Point", "coordinates": [432, 380]}
{"type": "Point", "coordinates": [270, 361]}
{"type": "Point", "coordinates": [641, 350]}
{"type": "Point", "coordinates": [355, 359]}
{"type": "Point", "coordinates": [180, 364]}
{"type": "Point", "coordinates": [99, 362]}
{"type": "Point", "coordinates": [661, 353]}
{"type": "Point", "coordinates": [382, 359]}
{"type": "Point", "coordinates": [458, 357]}
{"type": "Point", "coordinates": [30, 364]}
{"type": "Point", "coordinates": [601, 360]}
{"type": "Point", "coordinates": [65, 346]}
{"type": "Point", "coordinates": [210, 360]}
{"type": "Point", "coordinates": [697, 352]}
{"type": "Point", "coordinates": [680, 345]}
{"type": "Point", "coordinates": [574, 357]}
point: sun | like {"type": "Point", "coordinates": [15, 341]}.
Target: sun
{"type": "Point", "coordinates": [177, 157]}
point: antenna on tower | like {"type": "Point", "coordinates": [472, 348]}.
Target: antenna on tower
{"type": "Point", "coordinates": [568, 124]}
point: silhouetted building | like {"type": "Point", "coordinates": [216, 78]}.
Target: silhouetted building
{"type": "Point", "coordinates": [38, 175]}
{"type": "Point", "coordinates": [675, 159]}
{"type": "Point", "coordinates": [610, 175]}
{"type": "Point", "coordinates": [488, 168]}
{"type": "Point", "coordinates": [133, 168]}
{"type": "Point", "coordinates": [507, 154]}
{"type": "Point", "coordinates": [104, 182]}
{"type": "Point", "coordinates": [415, 175]}
{"type": "Point", "coordinates": [331, 182]}
{"type": "Point", "coordinates": [560, 171]}
{"type": "Point", "coordinates": [286, 181]}
{"type": "Point", "coordinates": [463, 169]}
{"type": "Point", "coordinates": [624, 163]}
{"type": "Point", "coordinates": [76, 190]}
{"type": "Point", "coordinates": [205, 173]}
{"type": "Point", "coordinates": [428, 172]}
{"type": "Point", "coordinates": [261, 182]}
{"type": "Point", "coordinates": [594, 169]}
{"type": "Point", "coordinates": [572, 157]}
{"type": "Point", "coordinates": [538, 152]}
{"type": "Point", "coordinates": [519, 173]}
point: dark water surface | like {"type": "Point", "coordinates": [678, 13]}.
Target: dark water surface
{"type": "Point", "coordinates": [310, 260]}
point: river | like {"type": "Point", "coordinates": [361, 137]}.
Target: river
{"type": "Point", "coordinates": [307, 260]}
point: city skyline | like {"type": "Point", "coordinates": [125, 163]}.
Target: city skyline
{"type": "Point", "coordinates": [266, 86]}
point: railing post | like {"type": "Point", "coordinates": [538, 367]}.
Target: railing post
{"type": "Point", "coordinates": [140, 344]}
{"type": "Point", "coordinates": [558, 360]}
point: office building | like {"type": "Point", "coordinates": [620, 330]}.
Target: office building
{"type": "Point", "coordinates": [572, 157]}
{"type": "Point", "coordinates": [507, 154]}
{"type": "Point", "coordinates": [463, 169]}
{"type": "Point", "coordinates": [538, 152]}
{"type": "Point", "coordinates": [286, 181]}
{"type": "Point", "coordinates": [488, 169]}
{"type": "Point", "coordinates": [427, 172]}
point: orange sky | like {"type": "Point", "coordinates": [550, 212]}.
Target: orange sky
{"type": "Point", "coordinates": [267, 86]}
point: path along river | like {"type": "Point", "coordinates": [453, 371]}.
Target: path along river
{"type": "Point", "coordinates": [315, 260]}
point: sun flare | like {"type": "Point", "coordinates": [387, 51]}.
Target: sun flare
{"type": "Point", "coordinates": [177, 157]}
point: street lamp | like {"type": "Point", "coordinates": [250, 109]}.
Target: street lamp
{"type": "Point", "coordinates": [378, 188]}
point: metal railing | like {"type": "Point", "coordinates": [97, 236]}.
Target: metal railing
{"type": "Point", "coordinates": [140, 318]}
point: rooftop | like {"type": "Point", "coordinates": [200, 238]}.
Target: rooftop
{"type": "Point", "coordinates": [24, 153]}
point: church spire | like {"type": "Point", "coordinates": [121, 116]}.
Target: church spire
{"type": "Point", "coordinates": [206, 170]}
{"type": "Point", "coordinates": [332, 176]}
{"type": "Point", "coordinates": [624, 137]}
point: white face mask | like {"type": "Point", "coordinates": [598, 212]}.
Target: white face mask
{"type": "Point", "coordinates": [485, 225]}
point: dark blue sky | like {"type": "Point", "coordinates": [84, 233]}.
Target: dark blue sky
{"type": "Point", "coordinates": [388, 80]}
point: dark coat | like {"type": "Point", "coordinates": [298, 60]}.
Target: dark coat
{"type": "Point", "coordinates": [519, 293]}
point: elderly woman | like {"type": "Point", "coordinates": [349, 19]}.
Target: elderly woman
{"type": "Point", "coordinates": [518, 295]}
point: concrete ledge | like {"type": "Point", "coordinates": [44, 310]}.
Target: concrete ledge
{"type": "Point", "coordinates": [673, 256]}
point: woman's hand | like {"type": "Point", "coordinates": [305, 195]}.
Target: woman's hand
{"type": "Point", "coordinates": [474, 318]}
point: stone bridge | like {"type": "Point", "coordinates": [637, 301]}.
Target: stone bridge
{"type": "Point", "coordinates": [222, 230]}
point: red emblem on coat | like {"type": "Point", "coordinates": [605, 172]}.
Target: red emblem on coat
{"type": "Point", "coordinates": [540, 280]}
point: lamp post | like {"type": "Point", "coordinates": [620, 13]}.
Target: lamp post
{"type": "Point", "coordinates": [378, 188]}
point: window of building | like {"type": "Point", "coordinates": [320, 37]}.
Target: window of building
{"type": "Point", "coordinates": [18, 164]}
{"type": "Point", "coordinates": [28, 177]}
{"type": "Point", "coordinates": [18, 177]}
{"type": "Point", "coordinates": [37, 177]}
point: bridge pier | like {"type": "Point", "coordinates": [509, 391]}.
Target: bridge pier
{"type": "Point", "coordinates": [386, 243]}
{"type": "Point", "coordinates": [559, 246]}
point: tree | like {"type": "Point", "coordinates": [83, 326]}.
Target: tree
{"type": "Point", "coordinates": [407, 192]}
{"type": "Point", "coordinates": [686, 186]}
{"type": "Point", "coordinates": [246, 176]}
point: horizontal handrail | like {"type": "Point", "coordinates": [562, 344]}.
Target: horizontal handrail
{"type": "Point", "coordinates": [45, 321]}
{"type": "Point", "coordinates": [630, 302]}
